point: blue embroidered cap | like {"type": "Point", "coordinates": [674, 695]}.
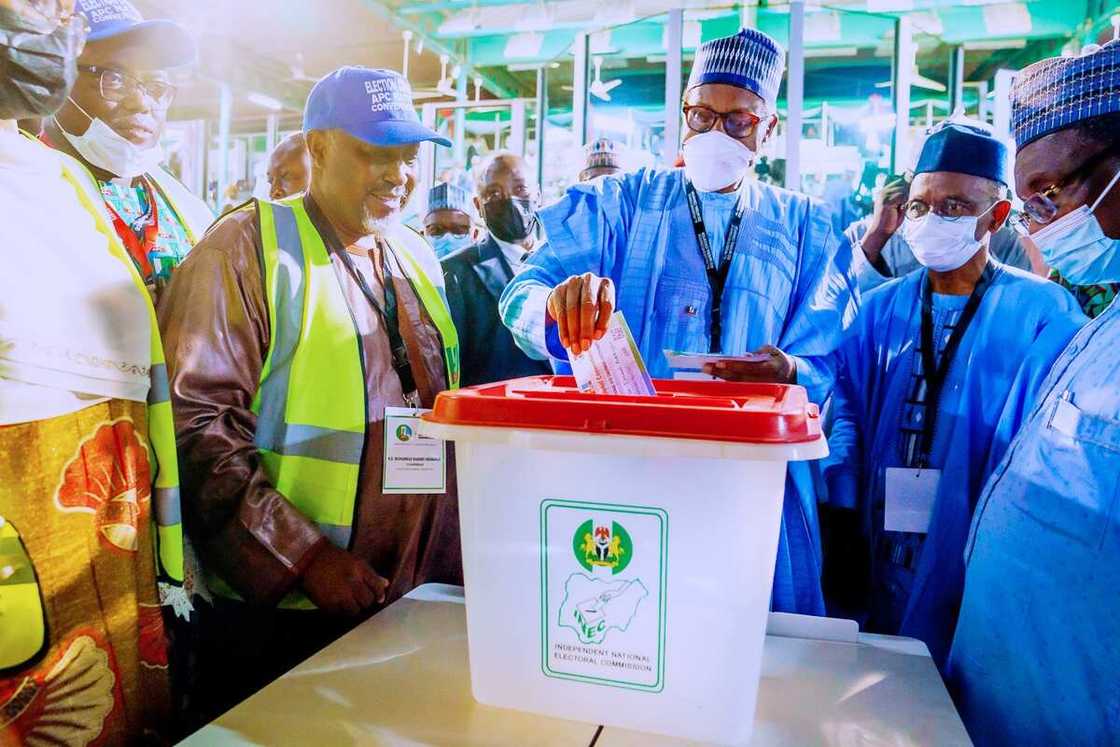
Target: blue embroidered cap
{"type": "Point", "coordinates": [750, 59]}
{"type": "Point", "coordinates": [371, 104]}
{"type": "Point", "coordinates": [965, 149]}
{"type": "Point", "coordinates": [447, 196]}
{"type": "Point", "coordinates": [168, 43]}
{"type": "Point", "coordinates": [1059, 92]}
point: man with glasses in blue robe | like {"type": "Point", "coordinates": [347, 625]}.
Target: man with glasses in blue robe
{"type": "Point", "coordinates": [704, 259]}
{"type": "Point", "coordinates": [931, 382]}
{"type": "Point", "coordinates": [1036, 656]}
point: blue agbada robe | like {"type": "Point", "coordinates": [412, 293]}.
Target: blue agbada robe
{"type": "Point", "coordinates": [1020, 327]}
{"type": "Point", "coordinates": [789, 285]}
{"type": "Point", "coordinates": [1036, 656]}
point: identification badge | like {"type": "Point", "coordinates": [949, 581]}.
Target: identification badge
{"type": "Point", "coordinates": [413, 463]}
{"type": "Point", "coordinates": [910, 493]}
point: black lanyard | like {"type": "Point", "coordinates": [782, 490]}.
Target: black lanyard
{"type": "Point", "coordinates": [717, 277]}
{"type": "Point", "coordinates": [935, 374]}
{"type": "Point", "coordinates": [388, 312]}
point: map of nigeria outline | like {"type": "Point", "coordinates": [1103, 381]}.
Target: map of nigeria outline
{"type": "Point", "coordinates": [592, 606]}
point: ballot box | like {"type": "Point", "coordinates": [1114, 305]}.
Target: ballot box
{"type": "Point", "coordinates": [619, 551]}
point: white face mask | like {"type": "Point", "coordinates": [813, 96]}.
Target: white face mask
{"type": "Point", "coordinates": [941, 244]}
{"type": "Point", "coordinates": [1077, 246]}
{"type": "Point", "coordinates": [103, 147]}
{"type": "Point", "coordinates": [714, 160]}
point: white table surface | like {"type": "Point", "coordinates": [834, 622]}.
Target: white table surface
{"type": "Point", "coordinates": [402, 678]}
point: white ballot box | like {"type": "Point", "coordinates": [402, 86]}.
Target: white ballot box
{"type": "Point", "coordinates": [619, 550]}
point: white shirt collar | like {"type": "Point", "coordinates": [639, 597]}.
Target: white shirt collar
{"type": "Point", "coordinates": [514, 253]}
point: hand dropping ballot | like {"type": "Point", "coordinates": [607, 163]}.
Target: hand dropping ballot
{"type": "Point", "coordinates": [613, 364]}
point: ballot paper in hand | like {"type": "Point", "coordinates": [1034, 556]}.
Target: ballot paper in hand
{"type": "Point", "coordinates": [613, 365]}
{"type": "Point", "coordinates": [691, 365]}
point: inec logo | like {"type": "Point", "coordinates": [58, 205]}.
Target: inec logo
{"type": "Point", "coordinates": [404, 433]}
{"type": "Point", "coordinates": [603, 547]}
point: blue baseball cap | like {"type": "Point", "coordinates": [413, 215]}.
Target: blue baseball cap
{"type": "Point", "coordinates": [167, 43]}
{"type": "Point", "coordinates": [374, 105]}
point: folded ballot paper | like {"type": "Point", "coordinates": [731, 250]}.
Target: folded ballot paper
{"type": "Point", "coordinates": [613, 365]}
{"type": "Point", "coordinates": [691, 365]}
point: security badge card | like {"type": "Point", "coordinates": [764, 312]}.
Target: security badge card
{"type": "Point", "coordinates": [413, 463]}
{"type": "Point", "coordinates": [910, 494]}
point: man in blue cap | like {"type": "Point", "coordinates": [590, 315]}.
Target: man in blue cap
{"type": "Point", "coordinates": [112, 123]}
{"type": "Point", "coordinates": [448, 224]}
{"type": "Point", "coordinates": [933, 380]}
{"type": "Point", "coordinates": [704, 259]}
{"type": "Point", "coordinates": [1037, 649]}
{"type": "Point", "coordinates": [477, 275]}
{"type": "Point", "coordinates": [295, 332]}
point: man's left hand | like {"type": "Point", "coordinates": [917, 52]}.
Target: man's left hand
{"type": "Point", "coordinates": [778, 368]}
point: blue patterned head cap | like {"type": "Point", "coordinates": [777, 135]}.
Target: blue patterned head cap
{"type": "Point", "coordinates": [750, 59]}
{"type": "Point", "coordinates": [449, 197]}
{"type": "Point", "coordinates": [1060, 92]}
{"type": "Point", "coordinates": [963, 148]}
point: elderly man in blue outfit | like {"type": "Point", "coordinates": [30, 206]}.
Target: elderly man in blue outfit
{"type": "Point", "coordinates": [933, 380]}
{"type": "Point", "coordinates": [1036, 656]}
{"type": "Point", "coordinates": [704, 259]}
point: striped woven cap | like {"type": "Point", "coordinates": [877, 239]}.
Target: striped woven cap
{"type": "Point", "coordinates": [1060, 92]}
{"type": "Point", "coordinates": [750, 59]}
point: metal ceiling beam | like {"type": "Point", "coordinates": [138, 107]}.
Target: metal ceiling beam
{"type": "Point", "coordinates": [503, 90]}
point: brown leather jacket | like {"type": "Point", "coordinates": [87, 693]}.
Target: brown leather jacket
{"type": "Point", "coordinates": [215, 323]}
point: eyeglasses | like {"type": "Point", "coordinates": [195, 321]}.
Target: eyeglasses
{"type": "Point", "coordinates": [737, 124]}
{"type": "Point", "coordinates": [116, 86]}
{"type": "Point", "coordinates": [951, 210]}
{"type": "Point", "coordinates": [1040, 207]}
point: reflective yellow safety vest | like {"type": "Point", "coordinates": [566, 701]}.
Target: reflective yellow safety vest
{"type": "Point", "coordinates": [161, 424]}
{"type": "Point", "coordinates": [311, 402]}
{"type": "Point", "coordinates": [23, 620]}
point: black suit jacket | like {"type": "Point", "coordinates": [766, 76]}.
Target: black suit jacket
{"type": "Point", "coordinates": [475, 278]}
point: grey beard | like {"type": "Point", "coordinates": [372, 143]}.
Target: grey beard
{"type": "Point", "coordinates": [380, 226]}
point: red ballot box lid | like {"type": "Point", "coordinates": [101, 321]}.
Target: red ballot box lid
{"type": "Point", "coordinates": [699, 410]}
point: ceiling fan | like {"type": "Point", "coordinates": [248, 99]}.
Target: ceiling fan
{"type": "Point", "coordinates": [445, 87]}
{"type": "Point", "coordinates": [298, 72]}
{"type": "Point", "coordinates": [599, 88]}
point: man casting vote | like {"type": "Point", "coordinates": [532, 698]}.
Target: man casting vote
{"type": "Point", "coordinates": [703, 260]}
{"type": "Point", "coordinates": [923, 377]}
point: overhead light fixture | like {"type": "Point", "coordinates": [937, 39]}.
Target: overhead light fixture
{"type": "Point", "coordinates": [995, 44]}
{"type": "Point", "coordinates": [832, 52]}
{"type": "Point", "coordinates": [264, 101]}
{"type": "Point", "coordinates": [524, 45]}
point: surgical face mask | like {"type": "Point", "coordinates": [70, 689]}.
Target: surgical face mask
{"type": "Point", "coordinates": [714, 160]}
{"type": "Point", "coordinates": [510, 219]}
{"type": "Point", "coordinates": [105, 148]}
{"type": "Point", "coordinates": [941, 244]}
{"type": "Point", "coordinates": [1077, 246]}
{"type": "Point", "coordinates": [37, 70]}
{"type": "Point", "coordinates": [449, 242]}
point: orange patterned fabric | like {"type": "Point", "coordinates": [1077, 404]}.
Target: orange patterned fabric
{"type": "Point", "coordinates": [77, 488]}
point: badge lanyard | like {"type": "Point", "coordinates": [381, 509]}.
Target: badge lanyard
{"type": "Point", "coordinates": [935, 375]}
{"type": "Point", "coordinates": [140, 236]}
{"type": "Point", "coordinates": [717, 277]}
{"type": "Point", "coordinates": [390, 317]}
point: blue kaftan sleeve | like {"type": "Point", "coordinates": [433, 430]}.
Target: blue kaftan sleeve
{"type": "Point", "coordinates": [1059, 327]}
{"type": "Point", "coordinates": [586, 231]}
{"type": "Point", "coordinates": [841, 468]}
{"type": "Point", "coordinates": [824, 304]}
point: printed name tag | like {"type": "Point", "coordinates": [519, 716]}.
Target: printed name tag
{"type": "Point", "coordinates": [910, 493]}
{"type": "Point", "coordinates": [413, 463]}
